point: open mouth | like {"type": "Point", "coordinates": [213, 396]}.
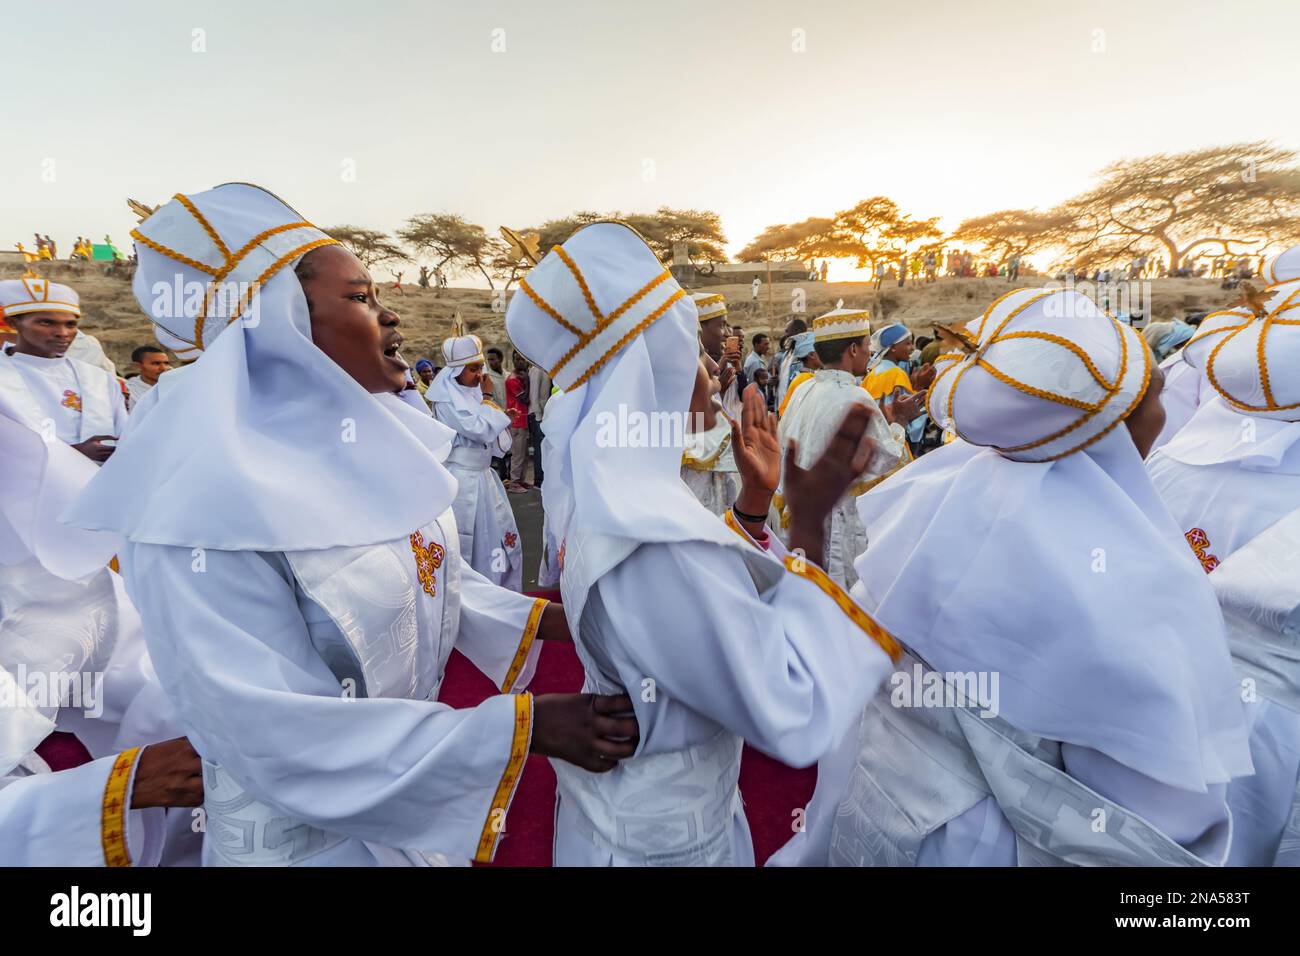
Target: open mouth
{"type": "Point", "coordinates": [393, 354]}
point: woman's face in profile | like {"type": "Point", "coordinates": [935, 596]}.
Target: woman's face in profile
{"type": "Point", "coordinates": [347, 322]}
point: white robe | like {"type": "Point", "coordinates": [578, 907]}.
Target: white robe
{"type": "Point", "coordinates": [814, 414]}
{"type": "Point", "coordinates": [489, 537]}
{"type": "Point", "coordinates": [308, 682]}
{"type": "Point", "coordinates": [32, 391]}
{"type": "Point", "coordinates": [708, 661]}
{"type": "Point", "coordinates": [709, 467]}
{"type": "Point", "coordinates": [1185, 390]}
{"type": "Point", "coordinates": [58, 818]}
{"type": "Point", "coordinates": [1222, 506]}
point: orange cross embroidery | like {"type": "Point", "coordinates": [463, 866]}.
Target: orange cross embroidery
{"type": "Point", "coordinates": [559, 557]}
{"type": "Point", "coordinates": [71, 399]}
{"type": "Point", "coordinates": [428, 559]}
{"type": "Point", "coordinates": [1200, 542]}
{"type": "Point", "coordinates": [510, 539]}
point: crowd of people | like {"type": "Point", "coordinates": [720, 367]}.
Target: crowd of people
{"type": "Point", "coordinates": [1025, 592]}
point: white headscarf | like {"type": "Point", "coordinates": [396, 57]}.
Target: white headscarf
{"type": "Point", "coordinates": [615, 330]}
{"type": "Point", "coordinates": [264, 444]}
{"type": "Point", "coordinates": [457, 352]}
{"type": "Point", "coordinates": [1064, 575]}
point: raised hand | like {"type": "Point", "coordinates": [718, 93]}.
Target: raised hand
{"type": "Point", "coordinates": [754, 443]}
{"type": "Point", "coordinates": [585, 729]}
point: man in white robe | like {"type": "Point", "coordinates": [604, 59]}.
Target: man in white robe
{"type": "Point", "coordinates": [815, 410]}
{"type": "Point", "coordinates": [1067, 696]}
{"type": "Point", "coordinates": [294, 557]}
{"type": "Point", "coordinates": [1231, 479]}
{"type": "Point", "coordinates": [489, 537]}
{"type": "Point", "coordinates": [708, 460]}
{"type": "Point", "coordinates": [718, 635]}
{"type": "Point", "coordinates": [60, 397]}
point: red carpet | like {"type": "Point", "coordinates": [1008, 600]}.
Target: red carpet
{"type": "Point", "coordinates": [771, 790]}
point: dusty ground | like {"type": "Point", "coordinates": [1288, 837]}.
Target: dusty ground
{"type": "Point", "coordinates": [110, 311]}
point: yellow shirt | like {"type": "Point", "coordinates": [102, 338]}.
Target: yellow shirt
{"type": "Point", "coordinates": [884, 380]}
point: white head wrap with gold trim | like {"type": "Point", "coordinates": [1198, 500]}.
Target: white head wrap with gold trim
{"type": "Point", "coordinates": [264, 443]}
{"type": "Point", "coordinates": [462, 350]}
{"type": "Point", "coordinates": [1067, 577]}
{"type": "Point", "coordinates": [1252, 363]}
{"type": "Point", "coordinates": [33, 294]}
{"type": "Point", "coordinates": [1052, 374]}
{"type": "Point", "coordinates": [709, 305]}
{"type": "Point", "coordinates": [1283, 267]}
{"type": "Point", "coordinates": [620, 338]}
{"type": "Point", "coordinates": [841, 324]}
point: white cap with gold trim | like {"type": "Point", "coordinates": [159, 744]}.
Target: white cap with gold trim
{"type": "Point", "coordinates": [32, 294]}
{"type": "Point", "coordinates": [710, 305]}
{"type": "Point", "coordinates": [841, 323]}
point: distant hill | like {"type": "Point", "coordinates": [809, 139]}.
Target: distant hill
{"type": "Point", "coordinates": [111, 314]}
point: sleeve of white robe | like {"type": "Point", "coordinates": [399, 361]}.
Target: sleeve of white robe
{"type": "Point", "coordinates": [56, 819]}
{"type": "Point", "coordinates": [231, 647]}
{"type": "Point", "coordinates": [498, 630]}
{"type": "Point", "coordinates": [483, 424]}
{"type": "Point", "coordinates": [789, 672]}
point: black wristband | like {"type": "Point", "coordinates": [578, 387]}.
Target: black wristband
{"type": "Point", "coordinates": [750, 519]}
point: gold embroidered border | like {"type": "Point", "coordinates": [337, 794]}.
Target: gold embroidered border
{"type": "Point", "coordinates": [523, 732]}
{"type": "Point", "coordinates": [525, 644]}
{"type": "Point", "coordinates": [112, 818]}
{"type": "Point", "coordinates": [861, 618]}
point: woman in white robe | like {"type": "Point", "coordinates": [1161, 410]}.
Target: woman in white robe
{"type": "Point", "coordinates": [489, 536]}
{"type": "Point", "coordinates": [717, 635]}
{"type": "Point", "coordinates": [1230, 478]}
{"type": "Point", "coordinates": [292, 552]}
{"type": "Point", "coordinates": [1033, 553]}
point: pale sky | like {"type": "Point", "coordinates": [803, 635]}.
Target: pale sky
{"type": "Point", "coordinates": [950, 108]}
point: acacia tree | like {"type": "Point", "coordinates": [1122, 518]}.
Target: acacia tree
{"type": "Point", "coordinates": [369, 245]}
{"type": "Point", "coordinates": [700, 229]}
{"type": "Point", "coordinates": [1013, 232]}
{"type": "Point", "coordinates": [451, 241]}
{"type": "Point", "coordinates": [1218, 196]}
{"type": "Point", "coordinates": [810, 239]}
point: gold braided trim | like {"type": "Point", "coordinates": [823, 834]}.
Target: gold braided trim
{"type": "Point", "coordinates": [1146, 382]}
{"type": "Point", "coordinates": [159, 248]}
{"type": "Point", "coordinates": [1212, 358]}
{"type": "Point", "coordinates": [734, 525]}
{"type": "Point", "coordinates": [710, 299]}
{"type": "Point", "coordinates": [545, 307]}
{"type": "Point", "coordinates": [505, 792]}
{"type": "Point", "coordinates": [525, 644]}
{"type": "Point", "coordinates": [582, 283]}
{"type": "Point", "coordinates": [202, 221]}
{"type": "Point", "coordinates": [1263, 362]}
{"type": "Point", "coordinates": [631, 334]}
{"type": "Point", "coordinates": [979, 333]}
{"type": "Point", "coordinates": [275, 267]}
{"type": "Point", "coordinates": [112, 817]}
{"type": "Point", "coordinates": [1078, 352]}
{"type": "Point", "coordinates": [706, 464]}
{"type": "Point", "coordinates": [997, 333]}
{"type": "Point", "coordinates": [858, 333]}
{"type": "Point", "coordinates": [810, 572]}
{"type": "Point", "coordinates": [491, 404]}
{"type": "Point", "coordinates": [1033, 390]}
{"type": "Point", "coordinates": [602, 323]}
{"type": "Point", "coordinates": [232, 263]}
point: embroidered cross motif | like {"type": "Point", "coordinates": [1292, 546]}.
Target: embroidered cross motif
{"type": "Point", "coordinates": [428, 559]}
{"type": "Point", "coordinates": [1200, 542]}
{"type": "Point", "coordinates": [71, 399]}
{"type": "Point", "coordinates": [559, 557]}
{"type": "Point", "coordinates": [510, 539]}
